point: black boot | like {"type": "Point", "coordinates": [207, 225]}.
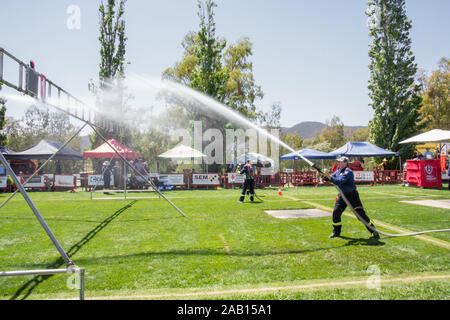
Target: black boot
{"type": "Point", "coordinates": [336, 232]}
{"type": "Point", "coordinates": [251, 198]}
{"type": "Point", "coordinates": [375, 234]}
{"type": "Point", "coordinates": [241, 199]}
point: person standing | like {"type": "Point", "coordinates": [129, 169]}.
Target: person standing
{"type": "Point", "coordinates": [106, 175]}
{"type": "Point", "coordinates": [116, 174]}
{"type": "Point", "coordinates": [428, 155]}
{"type": "Point", "coordinates": [249, 182]}
{"type": "Point", "coordinates": [343, 177]}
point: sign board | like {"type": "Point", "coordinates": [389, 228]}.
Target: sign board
{"type": "Point", "coordinates": [235, 178]}
{"type": "Point", "coordinates": [268, 171]}
{"type": "Point", "coordinates": [211, 179]}
{"type": "Point", "coordinates": [35, 182]}
{"type": "Point", "coordinates": [3, 181]}
{"type": "Point", "coordinates": [172, 179]}
{"type": "Point", "coordinates": [97, 180]}
{"type": "Point", "coordinates": [364, 175]}
{"type": "Point", "coordinates": [64, 181]}
{"type": "Point", "coordinates": [289, 170]}
{"type": "Point", "coordinates": [445, 175]}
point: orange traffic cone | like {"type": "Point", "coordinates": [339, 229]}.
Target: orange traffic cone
{"type": "Point", "coordinates": [279, 191]}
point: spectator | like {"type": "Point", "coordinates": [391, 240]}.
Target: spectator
{"type": "Point", "coordinates": [383, 165]}
{"type": "Point", "coordinates": [139, 167]}
{"type": "Point", "coordinates": [428, 155]}
{"type": "Point", "coordinates": [437, 152]}
{"type": "Point", "coordinates": [116, 174]}
{"type": "Point", "coordinates": [106, 171]}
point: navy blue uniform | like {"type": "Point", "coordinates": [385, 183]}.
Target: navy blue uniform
{"type": "Point", "coordinates": [345, 180]}
{"type": "Point", "coordinates": [249, 182]}
{"type": "Point", "coordinates": [106, 177]}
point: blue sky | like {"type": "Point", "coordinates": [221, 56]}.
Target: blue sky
{"type": "Point", "coordinates": [311, 56]}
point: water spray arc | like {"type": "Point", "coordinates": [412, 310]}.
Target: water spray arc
{"type": "Point", "coordinates": [223, 110]}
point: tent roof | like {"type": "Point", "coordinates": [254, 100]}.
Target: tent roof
{"type": "Point", "coordinates": [254, 157]}
{"type": "Point", "coordinates": [5, 150]}
{"type": "Point", "coordinates": [308, 154]}
{"type": "Point", "coordinates": [362, 149]}
{"type": "Point", "coordinates": [43, 150]}
{"type": "Point", "coordinates": [104, 151]}
{"type": "Point", "coordinates": [434, 135]}
{"type": "Point", "coordinates": [181, 152]}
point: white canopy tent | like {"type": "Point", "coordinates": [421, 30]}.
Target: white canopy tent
{"type": "Point", "coordinates": [434, 135]}
{"type": "Point", "coordinates": [181, 152]}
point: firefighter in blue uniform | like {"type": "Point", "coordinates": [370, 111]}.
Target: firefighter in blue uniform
{"type": "Point", "coordinates": [249, 182]}
{"type": "Point", "coordinates": [343, 177]}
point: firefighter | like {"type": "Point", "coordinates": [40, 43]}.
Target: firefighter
{"type": "Point", "coordinates": [344, 179]}
{"type": "Point", "coordinates": [249, 182]}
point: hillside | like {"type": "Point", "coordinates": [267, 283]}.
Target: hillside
{"type": "Point", "coordinates": [307, 129]}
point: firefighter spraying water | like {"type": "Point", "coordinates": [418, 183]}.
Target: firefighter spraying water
{"type": "Point", "coordinates": [249, 182]}
{"type": "Point", "coordinates": [344, 178]}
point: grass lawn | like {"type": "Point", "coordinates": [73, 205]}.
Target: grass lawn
{"type": "Point", "coordinates": [143, 248]}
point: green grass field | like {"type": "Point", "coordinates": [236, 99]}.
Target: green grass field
{"type": "Point", "coordinates": [144, 249]}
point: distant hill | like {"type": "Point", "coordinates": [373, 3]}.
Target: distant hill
{"type": "Point", "coordinates": [307, 129]}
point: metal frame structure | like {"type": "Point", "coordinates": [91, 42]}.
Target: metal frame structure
{"type": "Point", "coordinates": [86, 117]}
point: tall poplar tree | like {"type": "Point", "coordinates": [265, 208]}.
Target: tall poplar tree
{"type": "Point", "coordinates": [110, 90]}
{"type": "Point", "coordinates": [395, 98]}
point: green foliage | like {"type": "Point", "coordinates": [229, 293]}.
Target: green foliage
{"type": "Point", "coordinates": [360, 134]}
{"type": "Point", "coordinates": [112, 41]}
{"type": "Point", "coordinates": [3, 138]}
{"type": "Point", "coordinates": [333, 133]}
{"type": "Point", "coordinates": [436, 98]}
{"type": "Point", "coordinates": [226, 75]}
{"type": "Point", "coordinates": [111, 92]}
{"type": "Point", "coordinates": [394, 97]}
{"type": "Point", "coordinates": [209, 77]}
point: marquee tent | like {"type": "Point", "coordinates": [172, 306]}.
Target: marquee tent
{"type": "Point", "coordinates": [254, 158]}
{"type": "Point", "coordinates": [362, 149]}
{"type": "Point", "coordinates": [434, 135]}
{"type": "Point", "coordinates": [104, 151]}
{"type": "Point", "coordinates": [6, 151]}
{"type": "Point", "coordinates": [308, 154]}
{"type": "Point", "coordinates": [44, 150]}
{"type": "Point", "coordinates": [181, 152]}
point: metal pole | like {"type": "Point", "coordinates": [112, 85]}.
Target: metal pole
{"type": "Point", "coordinates": [33, 272]}
{"type": "Point", "coordinates": [81, 274]}
{"type": "Point", "coordinates": [36, 211]}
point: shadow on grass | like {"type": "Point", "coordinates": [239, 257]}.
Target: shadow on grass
{"type": "Point", "coordinates": [220, 252]}
{"type": "Point", "coordinates": [362, 241]}
{"type": "Point", "coordinates": [29, 286]}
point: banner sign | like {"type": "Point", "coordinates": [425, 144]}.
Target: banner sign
{"type": "Point", "coordinates": [3, 181]}
{"type": "Point", "coordinates": [206, 179]}
{"type": "Point", "coordinates": [65, 181]}
{"type": "Point", "coordinates": [235, 178]}
{"type": "Point", "coordinates": [364, 175]}
{"type": "Point", "coordinates": [268, 171]}
{"type": "Point", "coordinates": [97, 180]}
{"type": "Point", "coordinates": [444, 150]}
{"type": "Point", "coordinates": [36, 182]}
{"type": "Point", "coordinates": [172, 179]}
